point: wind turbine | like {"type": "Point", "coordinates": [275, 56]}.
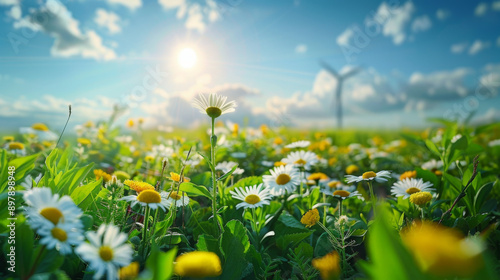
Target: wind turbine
{"type": "Point", "coordinates": [338, 88]}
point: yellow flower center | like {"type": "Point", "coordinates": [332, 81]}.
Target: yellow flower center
{"type": "Point", "coordinates": [40, 126]}
{"type": "Point", "coordinates": [16, 146]}
{"type": "Point", "coordinates": [175, 195]}
{"type": "Point", "coordinates": [213, 112]}
{"type": "Point", "coordinates": [174, 176]}
{"type": "Point", "coordinates": [282, 179]}
{"type": "Point", "coordinates": [149, 196]}
{"type": "Point", "coordinates": [59, 234]}
{"type": "Point", "coordinates": [106, 253]}
{"type": "Point", "coordinates": [369, 174]}
{"type": "Point", "coordinates": [279, 163]}
{"type": "Point", "coordinates": [351, 169]}
{"type": "Point", "coordinates": [138, 186]}
{"type": "Point", "coordinates": [333, 184]}
{"type": "Point", "coordinates": [129, 272]}
{"type": "Point", "coordinates": [252, 199]}
{"type": "Point", "coordinates": [300, 162]}
{"type": "Point", "coordinates": [412, 190]}
{"type": "Point", "coordinates": [52, 214]}
{"type": "Point", "coordinates": [83, 141]}
{"type": "Point", "coordinates": [310, 218]}
{"type": "Point", "coordinates": [408, 175]}
{"type": "Point", "coordinates": [341, 193]}
{"type": "Point", "coordinates": [198, 264]}
{"type": "Point", "coordinates": [317, 176]}
{"type": "Point", "coordinates": [421, 198]}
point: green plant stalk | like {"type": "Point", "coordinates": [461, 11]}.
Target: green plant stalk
{"type": "Point", "coordinates": [324, 209]}
{"type": "Point", "coordinates": [153, 227]}
{"type": "Point", "coordinates": [214, 181]}
{"type": "Point", "coordinates": [35, 264]}
{"type": "Point", "coordinates": [340, 207]}
{"type": "Point", "coordinates": [145, 231]}
{"type": "Point", "coordinates": [372, 195]}
{"type": "Point", "coordinates": [342, 250]}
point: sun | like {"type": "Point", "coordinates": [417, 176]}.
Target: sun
{"type": "Point", "coordinates": [187, 58]}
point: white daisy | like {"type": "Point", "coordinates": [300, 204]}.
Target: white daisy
{"type": "Point", "coordinates": [330, 186]}
{"type": "Point", "coordinates": [15, 148]}
{"type": "Point", "coordinates": [432, 165]}
{"type": "Point", "coordinates": [62, 236]}
{"type": "Point", "coordinates": [41, 131]}
{"type": "Point", "coordinates": [106, 252]}
{"type": "Point", "coordinates": [150, 198]}
{"type": "Point", "coordinates": [298, 144]}
{"type": "Point", "coordinates": [456, 138]}
{"type": "Point", "coordinates": [409, 186]}
{"type": "Point", "coordinates": [345, 194]}
{"type": "Point", "coordinates": [226, 166]}
{"type": "Point", "coordinates": [46, 210]}
{"type": "Point", "coordinates": [180, 199]}
{"type": "Point", "coordinates": [494, 143]}
{"type": "Point", "coordinates": [301, 159]}
{"type": "Point", "coordinates": [214, 106]}
{"type": "Point", "coordinates": [282, 178]}
{"type": "Point", "coordinates": [252, 196]}
{"type": "Point", "coordinates": [380, 176]}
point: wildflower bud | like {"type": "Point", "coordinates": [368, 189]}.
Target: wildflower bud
{"type": "Point", "coordinates": [114, 180]}
{"type": "Point", "coordinates": [164, 163]}
{"type": "Point", "coordinates": [213, 140]}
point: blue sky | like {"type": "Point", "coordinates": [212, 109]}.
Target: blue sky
{"type": "Point", "coordinates": [418, 59]}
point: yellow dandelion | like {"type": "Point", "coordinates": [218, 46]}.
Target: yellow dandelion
{"type": "Point", "coordinates": [317, 176]}
{"type": "Point", "coordinates": [421, 198]}
{"type": "Point", "coordinates": [149, 159]}
{"type": "Point", "coordinates": [351, 169]}
{"type": "Point", "coordinates": [40, 127]}
{"type": "Point", "coordinates": [408, 175]}
{"type": "Point", "coordinates": [442, 251]}
{"type": "Point", "coordinates": [310, 218]}
{"type": "Point", "coordinates": [16, 146]}
{"type": "Point", "coordinates": [88, 124]}
{"type": "Point", "coordinates": [264, 128]}
{"type": "Point", "coordinates": [101, 173]}
{"type": "Point", "coordinates": [328, 266]}
{"type": "Point", "coordinates": [198, 264]}
{"type": "Point", "coordinates": [332, 161]}
{"type": "Point", "coordinates": [129, 272]}
{"type": "Point", "coordinates": [175, 177]}
{"type": "Point", "coordinates": [8, 138]}
{"type": "Point", "coordinates": [83, 141]}
{"type": "Point", "coordinates": [121, 175]}
{"type": "Point", "coordinates": [138, 186]}
{"type": "Point", "coordinates": [278, 141]}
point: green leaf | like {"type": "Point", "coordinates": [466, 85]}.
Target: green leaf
{"type": "Point", "coordinates": [304, 250]}
{"type": "Point", "coordinates": [291, 240]}
{"type": "Point", "coordinates": [208, 243]}
{"type": "Point", "coordinates": [160, 264]}
{"type": "Point", "coordinates": [23, 165]}
{"type": "Point", "coordinates": [481, 196]}
{"type": "Point", "coordinates": [24, 249]}
{"type": "Point", "coordinates": [194, 190]}
{"type": "Point", "coordinates": [234, 244]}
{"type": "Point", "coordinates": [432, 147]}
{"type": "Point", "coordinates": [386, 251]}
{"type": "Point", "coordinates": [229, 173]}
{"type": "Point", "coordinates": [209, 162]}
{"type": "Point", "coordinates": [50, 260]}
{"type": "Point", "coordinates": [82, 195]}
{"type": "Point", "coordinates": [248, 181]}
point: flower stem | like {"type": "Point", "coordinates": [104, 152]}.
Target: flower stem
{"type": "Point", "coordinates": [35, 264]}
{"type": "Point", "coordinates": [324, 209]}
{"type": "Point", "coordinates": [145, 231]}
{"type": "Point", "coordinates": [340, 207]}
{"type": "Point", "coordinates": [213, 142]}
{"type": "Point", "coordinates": [372, 194]}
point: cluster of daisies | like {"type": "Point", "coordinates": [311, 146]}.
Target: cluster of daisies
{"type": "Point", "coordinates": [57, 221]}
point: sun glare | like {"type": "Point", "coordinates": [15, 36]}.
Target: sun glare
{"type": "Point", "coordinates": [187, 58]}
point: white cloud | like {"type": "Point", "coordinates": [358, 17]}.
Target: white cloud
{"type": "Point", "coordinates": [108, 20]}
{"type": "Point", "coordinates": [442, 14]}
{"type": "Point", "coordinates": [9, 2]}
{"type": "Point", "coordinates": [421, 24]}
{"type": "Point", "coordinates": [15, 12]}
{"type": "Point", "coordinates": [196, 14]}
{"type": "Point", "coordinates": [397, 20]}
{"type": "Point", "coordinates": [441, 85]}
{"type": "Point", "coordinates": [495, 6]}
{"type": "Point", "coordinates": [459, 47]}
{"type": "Point", "coordinates": [481, 9]}
{"type": "Point", "coordinates": [131, 4]}
{"type": "Point", "coordinates": [56, 21]}
{"type": "Point", "coordinates": [345, 37]}
{"type": "Point", "coordinates": [302, 48]}
{"type": "Point", "coordinates": [478, 46]}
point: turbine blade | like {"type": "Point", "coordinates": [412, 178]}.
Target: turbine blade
{"type": "Point", "coordinates": [351, 72]}
{"type": "Point", "coordinates": [329, 69]}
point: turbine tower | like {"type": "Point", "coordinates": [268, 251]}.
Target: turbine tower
{"type": "Point", "coordinates": [338, 88]}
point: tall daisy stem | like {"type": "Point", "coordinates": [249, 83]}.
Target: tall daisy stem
{"type": "Point", "coordinates": [145, 231]}
{"type": "Point", "coordinates": [213, 143]}
{"type": "Point", "coordinates": [372, 194]}
{"type": "Point", "coordinates": [340, 207]}
{"type": "Point", "coordinates": [324, 209]}
{"type": "Point", "coordinates": [35, 264]}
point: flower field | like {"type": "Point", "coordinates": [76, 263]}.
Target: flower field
{"type": "Point", "coordinates": [228, 201]}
